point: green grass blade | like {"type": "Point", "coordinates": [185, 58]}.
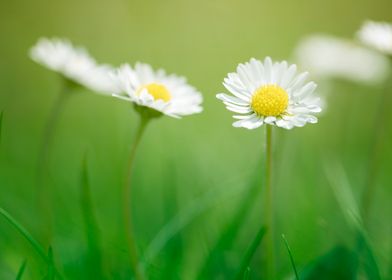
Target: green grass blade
{"type": "Point", "coordinates": [95, 265]}
{"type": "Point", "coordinates": [342, 189]}
{"type": "Point", "coordinates": [36, 246]}
{"type": "Point", "coordinates": [213, 262]}
{"type": "Point", "coordinates": [1, 123]}
{"type": "Point", "coordinates": [291, 257]}
{"type": "Point", "coordinates": [34, 243]}
{"type": "Point", "coordinates": [247, 274]}
{"type": "Point", "coordinates": [250, 253]}
{"type": "Point", "coordinates": [51, 269]}
{"type": "Point", "coordinates": [185, 217]}
{"type": "Point", "coordinates": [21, 270]}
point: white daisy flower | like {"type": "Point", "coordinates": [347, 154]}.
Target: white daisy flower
{"type": "Point", "coordinates": [331, 57]}
{"type": "Point", "coordinates": [167, 94]}
{"type": "Point", "coordinates": [377, 35]}
{"type": "Point", "coordinates": [270, 93]}
{"type": "Point", "coordinates": [74, 63]}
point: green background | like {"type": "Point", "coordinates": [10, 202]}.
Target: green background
{"type": "Point", "coordinates": [199, 164]}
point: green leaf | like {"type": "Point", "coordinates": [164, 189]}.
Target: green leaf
{"type": "Point", "coordinates": [95, 265]}
{"type": "Point", "coordinates": [1, 123]}
{"type": "Point", "coordinates": [291, 257]}
{"type": "Point", "coordinates": [213, 262]}
{"type": "Point", "coordinates": [339, 263]}
{"type": "Point", "coordinates": [342, 189]}
{"type": "Point", "coordinates": [185, 217]}
{"type": "Point", "coordinates": [245, 263]}
{"type": "Point", "coordinates": [34, 243]}
{"type": "Point", "coordinates": [247, 274]}
{"type": "Point", "coordinates": [367, 260]}
{"type": "Point", "coordinates": [51, 269]}
{"type": "Point", "coordinates": [21, 270]}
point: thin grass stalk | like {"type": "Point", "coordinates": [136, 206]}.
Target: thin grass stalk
{"type": "Point", "coordinates": [43, 189]}
{"type": "Point", "coordinates": [291, 257]}
{"type": "Point", "coordinates": [270, 248]}
{"type": "Point", "coordinates": [375, 152]}
{"type": "Point", "coordinates": [245, 263]}
{"type": "Point", "coordinates": [21, 270]}
{"type": "Point", "coordinates": [95, 257]}
{"type": "Point", "coordinates": [126, 204]}
{"type": "Point", "coordinates": [1, 124]}
{"type": "Point", "coordinates": [33, 242]}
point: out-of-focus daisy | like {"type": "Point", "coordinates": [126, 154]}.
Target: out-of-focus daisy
{"type": "Point", "coordinates": [167, 94]}
{"type": "Point", "coordinates": [377, 35]}
{"type": "Point", "coordinates": [270, 93]}
{"type": "Point", "coordinates": [331, 57]}
{"type": "Point", "coordinates": [74, 63]}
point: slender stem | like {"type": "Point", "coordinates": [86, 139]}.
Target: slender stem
{"type": "Point", "coordinates": [375, 152]}
{"type": "Point", "coordinates": [126, 195]}
{"type": "Point", "coordinates": [43, 190]}
{"type": "Point", "coordinates": [269, 205]}
{"type": "Point", "coordinates": [95, 257]}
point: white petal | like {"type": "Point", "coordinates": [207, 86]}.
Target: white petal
{"type": "Point", "coordinates": [231, 99]}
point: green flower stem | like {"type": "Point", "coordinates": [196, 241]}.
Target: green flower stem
{"type": "Point", "coordinates": [270, 250]}
{"type": "Point", "coordinates": [43, 189]}
{"type": "Point", "coordinates": [375, 151]}
{"type": "Point", "coordinates": [126, 203]}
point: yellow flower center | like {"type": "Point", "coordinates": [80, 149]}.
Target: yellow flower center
{"type": "Point", "coordinates": [158, 91]}
{"type": "Point", "coordinates": [270, 100]}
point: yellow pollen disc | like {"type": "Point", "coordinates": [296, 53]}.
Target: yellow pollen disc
{"type": "Point", "coordinates": [270, 100]}
{"type": "Point", "coordinates": [158, 91]}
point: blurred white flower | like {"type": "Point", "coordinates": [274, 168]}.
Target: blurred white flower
{"type": "Point", "coordinates": [168, 94]}
{"type": "Point", "coordinates": [331, 57]}
{"type": "Point", "coordinates": [74, 63]}
{"type": "Point", "coordinates": [270, 93]}
{"type": "Point", "coordinates": [377, 35]}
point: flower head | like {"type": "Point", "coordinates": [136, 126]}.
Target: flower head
{"type": "Point", "coordinates": [331, 57]}
{"type": "Point", "coordinates": [167, 94]}
{"type": "Point", "coordinates": [377, 35]}
{"type": "Point", "coordinates": [74, 63]}
{"type": "Point", "coordinates": [270, 93]}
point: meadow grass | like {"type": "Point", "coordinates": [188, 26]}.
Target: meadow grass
{"type": "Point", "coordinates": [198, 184]}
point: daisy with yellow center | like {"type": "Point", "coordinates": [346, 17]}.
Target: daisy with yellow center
{"type": "Point", "coordinates": [167, 94]}
{"type": "Point", "coordinates": [270, 93]}
{"type": "Point", "coordinates": [154, 93]}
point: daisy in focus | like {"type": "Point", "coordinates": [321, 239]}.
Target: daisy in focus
{"type": "Point", "coordinates": [377, 35]}
{"type": "Point", "coordinates": [331, 57]}
{"type": "Point", "coordinates": [154, 89]}
{"type": "Point", "coordinates": [270, 93]}
{"type": "Point", "coordinates": [74, 63]}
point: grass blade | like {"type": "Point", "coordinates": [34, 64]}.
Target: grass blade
{"type": "Point", "coordinates": [225, 242]}
{"type": "Point", "coordinates": [95, 262]}
{"type": "Point", "coordinates": [21, 270]}
{"type": "Point", "coordinates": [342, 189]}
{"type": "Point", "coordinates": [51, 270]}
{"type": "Point", "coordinates": [247, 274]}
{"type": "Point", "coordinates": [36, 246]}
{"type": "Point", "coordinates": [291, 257]}
{"type": "Point", "coordinates": [250, 253]}
{"type": "Point", "coordinates": [185, 217]}
{"type": "Point", "coordinates": [1, 123]}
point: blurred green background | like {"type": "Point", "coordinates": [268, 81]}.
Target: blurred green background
{"type": "Point", "coordinates": [198, 166]}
